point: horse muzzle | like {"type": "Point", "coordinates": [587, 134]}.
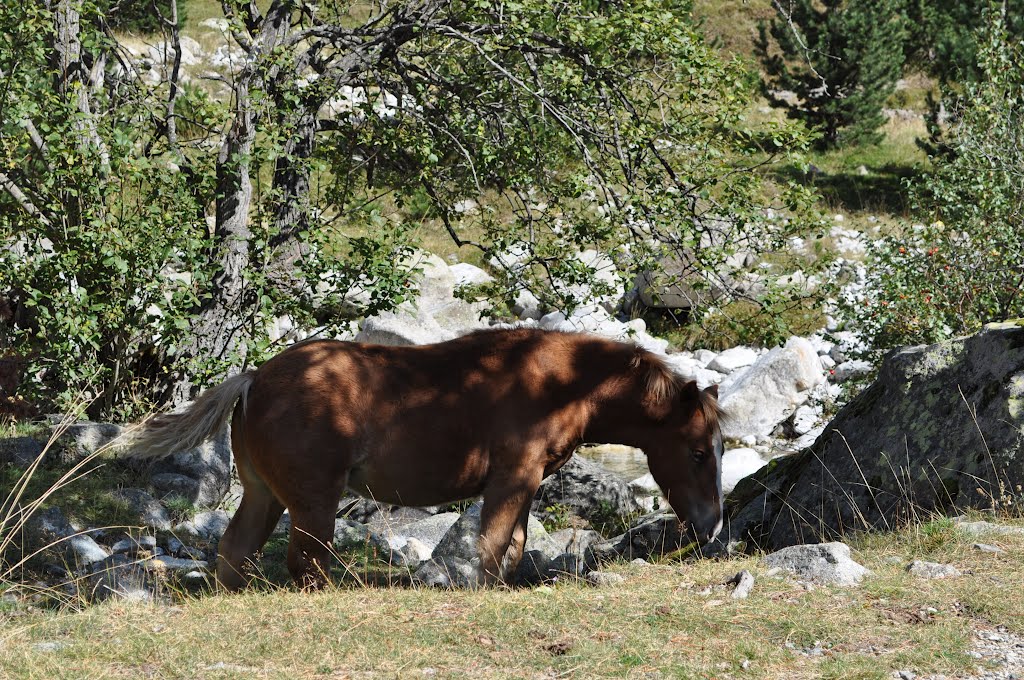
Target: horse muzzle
{"type": "Point", "coordinates": [705, 529]}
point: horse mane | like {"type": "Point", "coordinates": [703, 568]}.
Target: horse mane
{"type": "Point", "coordinates": [664, 385]}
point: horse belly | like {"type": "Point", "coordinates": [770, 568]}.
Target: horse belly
{"type": "Point", "coordinates": [419, 481]}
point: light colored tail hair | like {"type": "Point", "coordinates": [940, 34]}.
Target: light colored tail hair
{"type": "Point", "coordinates": [169, 433]}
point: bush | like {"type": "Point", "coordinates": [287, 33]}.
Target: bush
{"type": "Point", "coordinates": [965, 267]}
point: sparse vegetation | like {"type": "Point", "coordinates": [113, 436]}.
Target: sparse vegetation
{"type": "Point", "coordinates": [657, 621]}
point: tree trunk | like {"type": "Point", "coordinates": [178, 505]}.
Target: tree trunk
{"type": "Point", "coordinates": [217, 333]}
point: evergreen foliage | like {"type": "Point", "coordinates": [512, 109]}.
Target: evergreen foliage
{"type": "Point", "coordinates": [943, 35]}
{"type": "Point", "coordinates": [140, 16]}
{"type": "Point", "coordinates": [841, 60]}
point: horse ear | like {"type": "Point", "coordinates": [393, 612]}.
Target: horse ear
{"type": "Point", "coordinates": [690, 391]}
{"type": "Point", "coordinates": [713, 391]}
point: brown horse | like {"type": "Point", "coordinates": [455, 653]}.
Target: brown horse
{"type": "Point", "coordinates": [490, 413]}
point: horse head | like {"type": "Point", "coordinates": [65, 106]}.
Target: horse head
{"type": "Point", "coordinates": [687, 462]}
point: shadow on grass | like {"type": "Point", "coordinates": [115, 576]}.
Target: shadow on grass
{"type": "Point", "coordinates": [882, 189]}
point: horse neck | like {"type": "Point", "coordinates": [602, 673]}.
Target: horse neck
{"type": "Point", "coordinates": [620, 419]}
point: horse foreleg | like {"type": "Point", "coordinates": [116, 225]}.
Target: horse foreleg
{"type": "Point", "coordinates": [514, 555]}
{"type": "Point", "coordinates": [252, 524]}
{"type": "Point", "coordinates": [503, 528]}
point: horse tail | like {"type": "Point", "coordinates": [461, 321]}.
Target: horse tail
{"type": "Point", "coordinates": [169, 433]}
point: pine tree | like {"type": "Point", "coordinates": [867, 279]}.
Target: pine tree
{"type": "Point", "coordinates": [840, 59]}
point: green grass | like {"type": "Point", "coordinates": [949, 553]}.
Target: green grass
{"type": "Point", "coordinates": [656, 622]}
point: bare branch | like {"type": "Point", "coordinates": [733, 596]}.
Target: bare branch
{"type": "Point", "coordinates": [22, 200]}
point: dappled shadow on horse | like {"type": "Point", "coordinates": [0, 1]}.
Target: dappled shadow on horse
{"type": "Point", "coordinates": [491, 413]}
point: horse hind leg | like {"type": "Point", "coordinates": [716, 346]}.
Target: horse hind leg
{"type": "Point", "coordinates": [310, 544]}
{"type": "Point", "coordinates": [249, 529]}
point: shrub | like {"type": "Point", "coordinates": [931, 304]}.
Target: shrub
{"type": "Point", "coordinates": [965, 266]}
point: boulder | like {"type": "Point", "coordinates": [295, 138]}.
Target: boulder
{"type": "Point", "coordinates": [941, 428]}
{"type": "Point", "coordinates": [435, 316]}
{"type": "Point", "coordinates": [822, 564]}
{"type": "Point", "coordinates": [733, 359]}
{"type": "Point", "coordinates": [208, 465]}
{"type": "Point", "coordinates": [564, 552]}
{"type": "Point", "coordinates": [466, 274]}
{"type": "Point", "coordinates": [20, 451]}
{"type": "Point", "coordinates": [460, 541]}
{"type": "Point", "coordinates": [770, 390]}
{"type": "Point", "coordinates": [588, 490]}
{"type": "Point", "coordinates": [427, 532]}
{"type": "Point", "coordinates": [446, 572]}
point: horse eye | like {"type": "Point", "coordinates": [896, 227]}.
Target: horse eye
{"type": "Point", "coordinates": [699, 455]}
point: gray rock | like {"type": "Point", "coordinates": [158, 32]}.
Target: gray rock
{"type": "Point", "coordinates": [982, 527]}
{"type": "Point", "coordinates": [603, 579]}
{"type": "Point", "coordinates": [460, 541]}
{"type": "Point", "coordinates": [84, 550]}
{"type": "Point", "coordinates": [769, 392]}
{"type": "Point", "coordinates": [653, 534]}
{"type": "Point", "coordinates": [822, 563]}
{"type": "Point", "coordinates": [907, 445]}
{"type": "Point", "coordinates": [119, 577]}
{"type": "Point", "coordinates": [209, 465]}
{"type": "Point", "coordinates": [398, 329]}
{"type": "Point", "coordinates": [412, 554]}
{"type": "Point", "coordinates": [987, 548]}
{"type": "Point", "coordinates": [744, 582]}
{"type": "Point", "coordinates": [446, 572]}
{"type": "Point", "coordinates": [144, 509]}
{"type": "Point", "coordinates": [849, 370]}
{"type": "Point", "coordinates": [50, 532]}
{"type": "Point", "coordinates": [564, 552]}
{"type": "Point", "coordinates": [351, 535]}
{"type": "Point", "coordinates": [133, 544]}
{"type": "Point", "coordinates": [589, 490]}
{"type": "Point", "coordinates": [20, 451]}
{"type": "Point", "coordinates": [84, 438]}
{"type": "Point", "coordinates": [171, 484]}
{"type": "Point", "coordinates": [174, 564]}
{"type": "Point", "coordinates": [209, 524]}
{"type": "Point", "coordinates": [381, 517]}
{"type": "Point", "coordinates": [932, 570]}
{"type": "Point", "coordinates": [527, 306]}
{"type": "Point", "coordinates": [429, 530]}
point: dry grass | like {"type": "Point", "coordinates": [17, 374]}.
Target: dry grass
{"type": "Point", "coordinates": [656, 622]}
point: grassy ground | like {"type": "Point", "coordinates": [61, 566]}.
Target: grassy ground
{"type": "Point", "coordinates": [656, 624]}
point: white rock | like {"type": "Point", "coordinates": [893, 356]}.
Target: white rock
{"type": "Point", "coordinates": [215, 23]}
{"type": "Point", "coordinates": [551, 321]}
{"type": "Point", "coordinates": [645, 485]}
{"type": "Point", "coordinates": [732, 359]}
{"type": "Point", "coordinates": [855, 368]}
{"type": "Point", "coordinates": [691, 369]}
{"type": "Point", "coordinates": [469, 275]}
{"type": "Point", "coordinates": [705, 356]}
{"type": "Point", "coordinates": [827, 362]}
{"type": "Point", "coordinates": [527, 306]}
{"type": "Point", "coordinates": [737, 464]}
{"type": "Point", "coordinates": [769, 391]}
{"type": "Point", "coordinates": [805, 418]}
